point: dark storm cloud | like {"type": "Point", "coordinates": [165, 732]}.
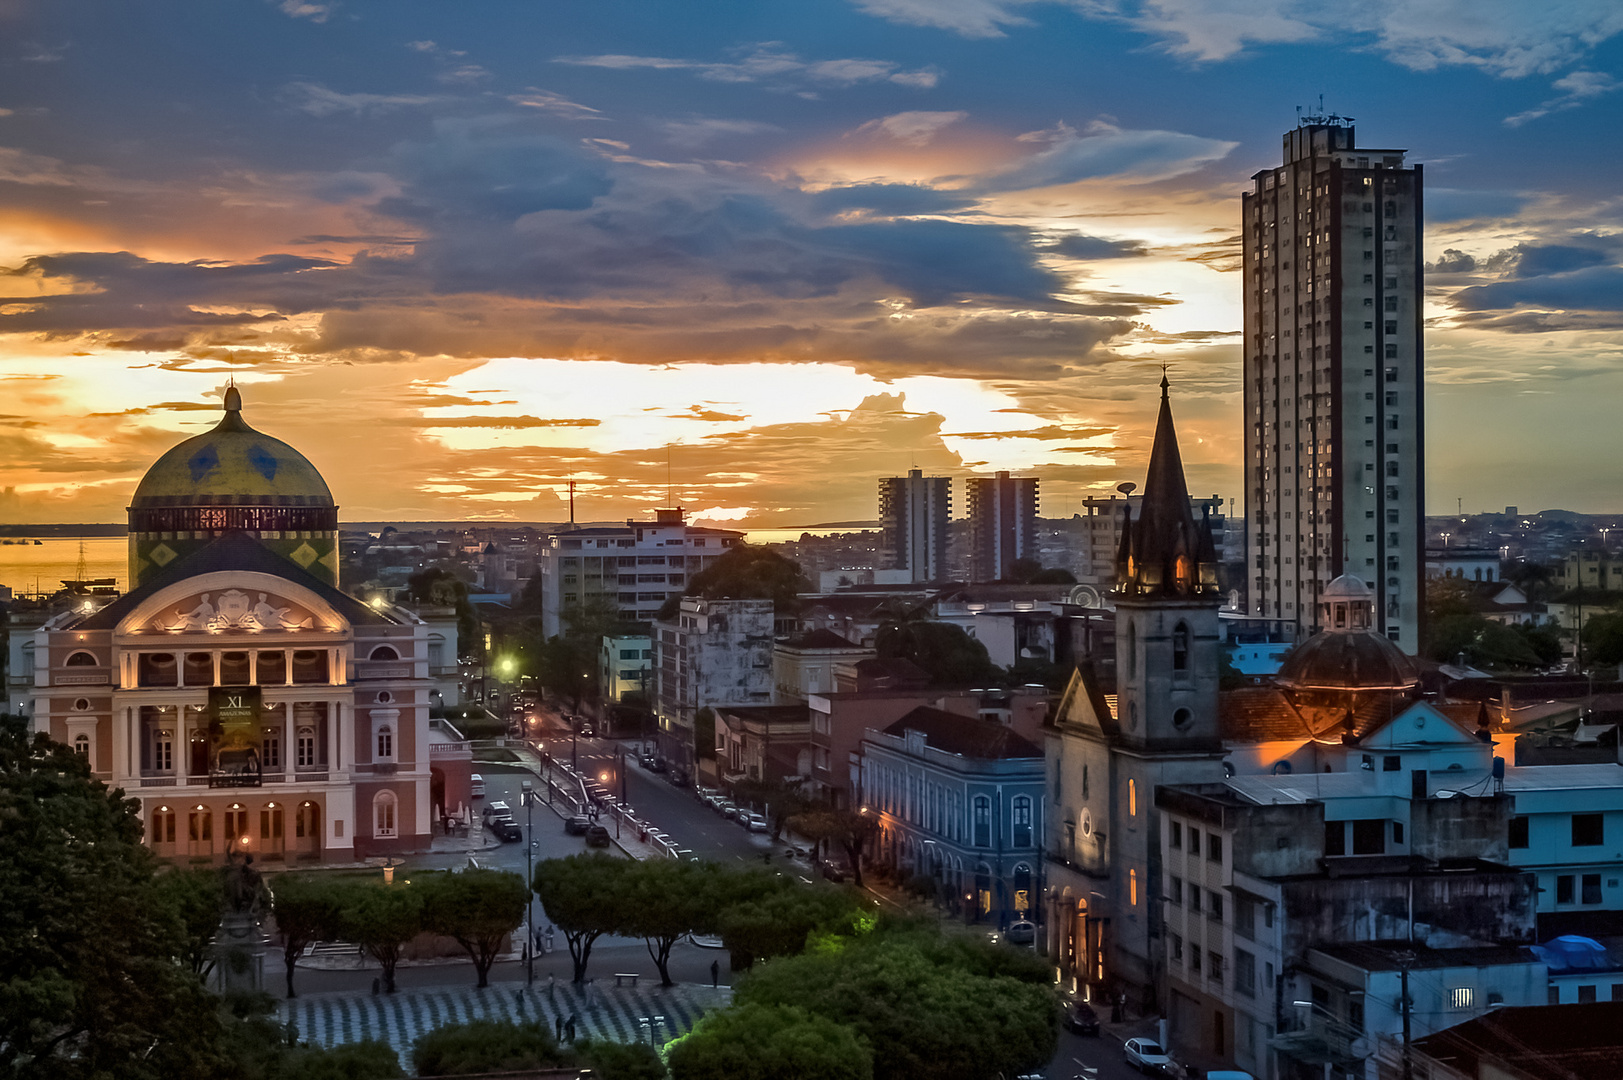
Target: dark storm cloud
{"type": "Point", "coordinates": [1539, 259]}
{"type": "Point", "coordinates": [897, 199]}
{"type": "Point", "coordinates": [1595, 288]}
{"type": "Point", "coordinates": [1079, 246]}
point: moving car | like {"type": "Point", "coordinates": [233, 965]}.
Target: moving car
{"type": "Point", "coordinates": [1020, 933]}
{"type": "Point", "coordinates": [506, 830]}
{"type": "Point", "coordinates": [1147, 1056]}
{"type": "Point", "coordinates": [476, 786]}
{"type": "Point", "coordinates": [1081, 1019]}
{"type": "Point", "coordinates": [577, 825]}
{"type": "Point", "coordinates": [597, 836]}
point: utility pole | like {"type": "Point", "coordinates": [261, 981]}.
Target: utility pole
{"type": "Point", "coordinates": [1407, 1005]}
{"type": "Point", "coordinates": [527, 796]}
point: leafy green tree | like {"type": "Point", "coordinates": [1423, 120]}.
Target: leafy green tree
{"type": "Point", "coordinates": [94, 976]}
{"type": "Point", "coordinates": [925, 1018]}
{"type": "Point", "coordinates": [664, 900]}
{"type": "Point", "coordinates": [486, 1046]}
{"type": "Point", "coordinates": [943, 650]}
{"type": "Point", "coordinates": [850, 830]}
{"type": "Point", "coordinates": [307, 911]}
{"type": "Point", "coordinates": [621, 1061]}
{"type": "Point", "coordinates": [1603, 639]}
{"type": "Point", "coordinates": [478, 909]}
{"type": "Point", "coordinates": [1483, 643]}
{"type": "Point", "coordinates": [441, 587]}
{"type": "Point", "coordinates": [382, 920]}
{"type": "Point", "coordinates": [197, 899]}
{"type": "Point", "coordinates": [770, 1042]}
{"type": "Point", "coordinates": [747, 572]}
{"type": "Point", "coordinates": [584, 897]}
{"type": "Point", "coordinates": [364, 1060]}
{"type": "Point", "coordinates": [782, 800]}
{"type": "Point", "coordinates": [778, 924]}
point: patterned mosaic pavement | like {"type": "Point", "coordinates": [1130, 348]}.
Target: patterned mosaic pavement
{"type": "Point", "coordinates": [618, 1014]}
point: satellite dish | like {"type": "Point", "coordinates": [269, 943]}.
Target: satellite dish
{"type": "Point", "coordinates": [1084, 596]}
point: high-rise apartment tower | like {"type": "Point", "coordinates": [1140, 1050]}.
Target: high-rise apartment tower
{"type": "Point", "coordinates": [1002, 523]}
{"type": "Point", "coordinates": [913, 514]}
{"type": "Point", "coordinates": [1334, 436]}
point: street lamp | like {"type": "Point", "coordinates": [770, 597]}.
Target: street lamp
{"type": "Point", "coordinates": [527, 797]}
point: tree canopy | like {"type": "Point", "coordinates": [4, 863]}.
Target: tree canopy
{"type": "Point", "coordinates": [307, 911]}
{"type": "Point", "coordinates": [944, 650]}
{"type": "Point", "coordinates": [486, 1046]}
{"type": "Point", "coordinates": [381, 919]}
{"type": "Point", "coordinates": [95, 975]}
{"type": "Point", "coordinates": [477, 908]}
{"type": "Point", "coordinates": [770, 1042]}
{"type": "Point", "coordinates": [926, 1016]}
{"type": "Point", "coordinates": [748, 572]}
{"type": "Point", "coordinates": [584, 897]}
{"type": "Point", "coordinates": [196, 897]}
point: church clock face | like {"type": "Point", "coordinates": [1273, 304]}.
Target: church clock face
{"type": "Point", "coordinates": [1087, 822]}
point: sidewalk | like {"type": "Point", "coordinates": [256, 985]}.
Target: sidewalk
{"type": "Point", "coordinates": [618, 1014]}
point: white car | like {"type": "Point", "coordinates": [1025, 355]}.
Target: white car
{"type": "Point", "coordinates": [1147, 1056]}
{"type": "Point", "coordinates": [755, 822]}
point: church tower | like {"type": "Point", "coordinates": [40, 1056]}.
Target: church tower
{"type": "Point", "coordinates": [1166, 599]}
{"type": "Point", "coordinates": [1166, 724]}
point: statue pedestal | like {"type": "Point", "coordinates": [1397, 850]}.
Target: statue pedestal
{"type": "Point", "coordinates": [239, 954]}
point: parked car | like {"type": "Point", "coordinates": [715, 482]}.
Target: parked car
{"type": "Point", "coordinates": [597, 836]}
{"type": "Point", "coordinates": [498, 809]}
{"type": "Point", "coordinates": [1081, 1019]}
{"type": "Point", "coordinates": [834, 870]}
{"type": "Point", "coordinates": [505, 830]}
{"type": "Point", "coordinates": [1020, 933]}
{"type": "Point", "coordinates": [1147, 1056]}
{"type": "Point", "coordinates": [731, 812]}
{"type": "Point", "coordinates": [587, 730]}
{"type": "Point", "coordinates": [755, 822]}
{"type": "Point", "coordinates": [476, 786]}
{"type": "Point", "coordinates": [577, 825]}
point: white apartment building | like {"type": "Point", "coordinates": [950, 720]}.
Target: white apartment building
{"type": "Point", "coordinates": [1333, 360]}
{"type": "Point", "coordinates": [634, 568]}
{"type": "Point", "coordinates": [914, 511]}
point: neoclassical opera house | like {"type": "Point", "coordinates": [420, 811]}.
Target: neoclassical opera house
{"type": "Point", "coordinates": [235, 690]}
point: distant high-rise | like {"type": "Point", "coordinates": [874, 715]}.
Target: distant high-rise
{"type": "Point", "coordinates": [1002, 523]}
{"type": "Point", "coordinates": [1334, 437]}
{"type": "Point", "coordinates": [913, 513]}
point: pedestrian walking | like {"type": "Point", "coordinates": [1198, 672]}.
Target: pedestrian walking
{"type": "Point", "coordinates": [715, 974]}
{"type": "Point", "coordinates": [552, 985]}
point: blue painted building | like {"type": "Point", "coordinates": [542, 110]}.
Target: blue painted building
{"type": "Point", "coordinates": [959, 800]}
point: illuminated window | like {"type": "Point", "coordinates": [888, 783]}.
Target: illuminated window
{"type": "Point", "coordinates": [1132, 798]}
{"type": "Point", "coordinates": [1132, 887]}
{"type": "Point", "coordinates": [1461, 997]}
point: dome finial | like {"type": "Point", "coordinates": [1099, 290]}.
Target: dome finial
{"type": "Point", "coordinates": [233, 398]}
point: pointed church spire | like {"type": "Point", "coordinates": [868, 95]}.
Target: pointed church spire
{"type": "Point", "coordinates": [1164, 551]}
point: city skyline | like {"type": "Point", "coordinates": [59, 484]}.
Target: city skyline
{"type": "Point", "coordinates": [763, 256]}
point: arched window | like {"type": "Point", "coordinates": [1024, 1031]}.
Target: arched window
{"type": "Point", "coordinates": [81, 745]}
{"type": "Point", "coordinates": [1022, 889]}
{"type": "Point", "coordinates": [436, 651]}
{"type": "Point", "coordinates": [1180, 647]}
{"type": "Point", "coordinates": [383, 814]}
{"type": "Point", "coordinates": [306, 748]}
{"type": "Point", "coordinates": [80, 659]}
{"type": "Point", "coordinates": [1132, 798]}
{"type": "Point", "coordinates": [1021, 819]}
{"type": "Point", "coordinates": [163, 750]}
{"type": "Point", "coordinates": [384, 652]}
{"type": "Point", "coordinates": [385, 742]}
{"type": "Point", "coordinates": [27, 671]}
{"type": "Point", "coordinates": [983, 821]}
{"type": "Point", "coordinates": [1132, 887]}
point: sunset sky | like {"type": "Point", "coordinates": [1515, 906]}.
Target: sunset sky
{"type": "Point", "coordinates": [459, 253]}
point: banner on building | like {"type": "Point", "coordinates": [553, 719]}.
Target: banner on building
{"type": "Point", "coordinates": [234, 723]}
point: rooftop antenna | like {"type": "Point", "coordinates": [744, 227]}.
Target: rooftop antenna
{"type": "Point", "coordinates": [668, 497]}
{"type": "Point", "coordinates": [571, 502]}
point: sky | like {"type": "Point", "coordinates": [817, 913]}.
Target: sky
{"type": "Point", "coordinates": [750, 256]}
